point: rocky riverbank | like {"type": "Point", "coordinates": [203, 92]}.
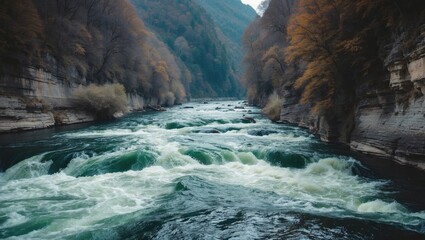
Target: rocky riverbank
{"type": "Point", "coordinates": [38, 99]}
{"type": "Point", "coordinates": [387, 122]}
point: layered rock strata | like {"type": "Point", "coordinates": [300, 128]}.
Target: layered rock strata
{"type": "Point", "coordinates": [387, 122]}
{"type": "Point", "coordinates": [38, 99]}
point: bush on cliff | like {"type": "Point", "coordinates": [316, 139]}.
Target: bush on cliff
{"type": "Point", "coordinates": [103, 100]}
{"type": "Point", "coordinates": [273, 107]}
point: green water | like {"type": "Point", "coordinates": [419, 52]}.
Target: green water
{"type": "Point", "coordinates": [196, 173]}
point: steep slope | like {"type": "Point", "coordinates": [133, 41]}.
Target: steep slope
{"type": "Point", "coordinates": [52, 50]}
{"type": "Point", "coordinates": [352, 72]}
{"type": "Point", "coordinates": [190, 33]}
{"type": "Point", "coordinates": [232, 18]}
{"type": "Point", "coordinates": [264, 42]}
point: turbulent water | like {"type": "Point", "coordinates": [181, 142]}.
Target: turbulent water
{"type": "Point", "coordinates": [194, 173]}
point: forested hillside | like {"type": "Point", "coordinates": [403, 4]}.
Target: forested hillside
{"type": "Point", "coordinates": [98, 42]}
{"type": "Point", "coordinates": [189, 31]}
{"type": "Point", "coordinates": [231, 18]}
{"type": "Point", "coordinates": [87, 41]}
{"type": "Point", "coordinates": [351, 71]}
{"type": "Point", "coordinates": [66, 61]}
{"type": "Point", "coordinates": [322, 50]}
{"type": "Point", "coordinates": [264, 41]}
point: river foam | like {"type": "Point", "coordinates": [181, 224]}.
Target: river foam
{"type": "Point", "coordinates": [120, 173]}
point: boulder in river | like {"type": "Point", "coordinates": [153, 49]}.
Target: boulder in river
{"type": "Point", "coordinates": [156, 108]}
{"type": "Point", "coordinates": [210, 130]}
{"type": "Point", "coordinates": [261, 132]}
{"type": "Point", "coordinates": [248, 120]}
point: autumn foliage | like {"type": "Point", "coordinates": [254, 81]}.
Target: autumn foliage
{"type": "Point", "coordinates": [324, 49]}
{"type": "Point", "coordinates": [264, 42]}
{"type": "Point", "coordinates": [103, 100]}
{"type": "Point", "coordinates": [90, 42]}
{"type": "Point", "coordinates": [314, 33]}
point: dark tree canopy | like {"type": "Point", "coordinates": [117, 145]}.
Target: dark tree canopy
{"type": "Point", "coordinates": [90, 41]}
{"type": "Point", "coordinates": [20, 31]}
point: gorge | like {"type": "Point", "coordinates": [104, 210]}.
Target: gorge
{"type": "Point", "coordinates": [199, 171]}
{"type": "Point", "coordinates": [114, 122]}
{"type": "Point", "coordinates": [41, 70]}
{"type": "Point", "coordinates": [352, 73]}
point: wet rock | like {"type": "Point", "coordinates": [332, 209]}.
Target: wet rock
{"type": "Point", "coordinates": [156, 108]}
{"type": "Point", "coordinates": [211, 130]}
{"type": "Point", "coordinates": [248, 120]}
{"type": "Point", "coordinates": [261, 132]}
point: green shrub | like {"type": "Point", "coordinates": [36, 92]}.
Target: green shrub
{"type": "Point", "coordinates": [273, 107]}
{"type": "Point", "coordinates": [103, 100]}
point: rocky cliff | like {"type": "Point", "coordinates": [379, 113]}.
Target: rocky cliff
{"type": "Point", "coordinates": [388, 121]}
{"type": "Point", "coordinates": [49, 48]}
{"type": "Point", "coordinates": [37, 99]}
{"type": "Point", "coordinates": [353, 73]}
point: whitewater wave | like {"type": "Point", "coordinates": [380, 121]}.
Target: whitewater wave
{"type": "Point", "coordinates": [140, 164]}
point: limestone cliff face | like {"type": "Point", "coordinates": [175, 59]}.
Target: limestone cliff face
{"type": "Point", "coordinates": [38, 99]}
{"type": "Point", "coordinates": [387, 122]}
{"type": "Point", "coordinates": [391, 122]}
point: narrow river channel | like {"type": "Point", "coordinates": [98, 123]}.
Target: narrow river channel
{"type": "Point", "coordinates": [197, 171]}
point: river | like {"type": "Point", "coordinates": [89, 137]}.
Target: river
{"type": "Point", "coordinates": [197, 171]}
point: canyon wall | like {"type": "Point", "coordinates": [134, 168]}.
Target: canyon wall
{"type": "Point", "coordinates": [353, 74]}
{"type": "Point", "coordinates": [37, 99]}
{"type": "Point", "coordinates": [388, 122]}
{"type": "Point", "coordinates": [391, 122]}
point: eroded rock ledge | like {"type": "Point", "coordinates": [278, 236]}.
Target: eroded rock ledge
{"type": "Point", "coordinates": [387, 122]}
{"type": "Point", "coordinates": [37, 99]}
{"type": "Point", "coordinates": [391, 123]}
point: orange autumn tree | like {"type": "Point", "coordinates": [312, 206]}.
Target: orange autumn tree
{"type": "Point", "coordinates": [264, 41]}
{"type": "Point", "coordinates": [315, 33]}
{"type": "Point", "coordinates": [342, 42]}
